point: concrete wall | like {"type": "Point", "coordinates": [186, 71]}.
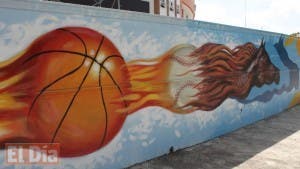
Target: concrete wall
{"type": "Point", "coordinates": [116, 88]}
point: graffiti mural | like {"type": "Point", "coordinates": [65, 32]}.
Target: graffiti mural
{"type": "Point", "coordinates": [115, 90]}
{"type": "Point", "coordinates": [72, 74]}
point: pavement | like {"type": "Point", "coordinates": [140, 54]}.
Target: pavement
{"type": "Point", "coordinates": [273, 143]}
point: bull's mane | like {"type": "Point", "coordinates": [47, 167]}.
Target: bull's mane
{"type": "Point", "coordinates": [224, 73]}
{"type": "Point", "coordinates": [213, 55]}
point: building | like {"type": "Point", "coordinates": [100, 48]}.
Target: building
{"type": "Point", "coordinates": [178, 8]}
{"type": "Point", "coordinates": [188, 9]}
{"type": "Point", "coordinates": [173, 8]}
{"type": "Point", "coordinates": [131, 5]}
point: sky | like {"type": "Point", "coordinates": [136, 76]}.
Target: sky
{"type": "Point", "coordinates": [280, 16]}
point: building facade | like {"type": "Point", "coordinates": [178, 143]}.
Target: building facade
{"type": "Point", "coordinates": [173, 8]}
{"type": "Point", "coordinates": [131, 5]}
{"type": "Point", "coordinates": [188, 8]}
{"type": "Point", "coordinates": [178, 8]}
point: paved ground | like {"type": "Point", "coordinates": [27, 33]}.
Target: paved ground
{"type": "Point", "coordinates": [273, 143]}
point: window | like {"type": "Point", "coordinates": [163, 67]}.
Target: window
{"type": "Point", "coordinates": [162, 3]}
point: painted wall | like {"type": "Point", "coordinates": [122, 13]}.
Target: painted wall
{"type": "Point", "coordinates": [116, 88]}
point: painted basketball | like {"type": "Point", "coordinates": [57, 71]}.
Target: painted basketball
{"type": "Point", "coordinates": [68, 78]}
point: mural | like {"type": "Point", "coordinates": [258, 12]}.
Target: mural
{"type": "Point", "coordinates": [118, 89]}
{"type": "Point", "coordinates": [73, 82]}
{"type": "Point", "coordinates": [293, 39]}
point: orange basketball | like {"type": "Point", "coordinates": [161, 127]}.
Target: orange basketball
{"type": "Point", "coordinates": [71, 76]}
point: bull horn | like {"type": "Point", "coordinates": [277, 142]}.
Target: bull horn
{"type": "Point", "coordinates": [262, 44]}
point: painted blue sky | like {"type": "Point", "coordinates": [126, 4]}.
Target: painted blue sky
{"type": "Point", "coordinates": [273, 15]}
